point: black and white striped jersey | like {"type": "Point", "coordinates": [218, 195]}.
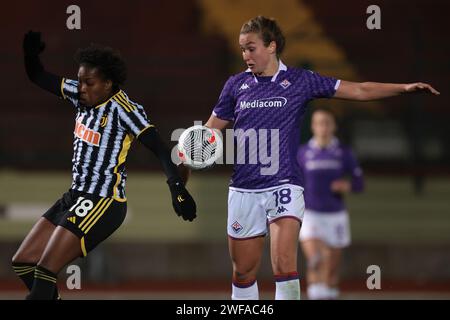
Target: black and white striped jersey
{"type": "Point", "coordinates": [102, 137]}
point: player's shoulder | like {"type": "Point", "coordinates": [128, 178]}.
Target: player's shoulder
{"type": "Point", "coordinates": [70, 82]}
{"type": "Point", "coordinates": [238, 78]}
{"type": "Point", "coordinates": [345, 148]}
{"type": "Point", "coordinates": [69, 87]}
{"type": "Point", "coordinates": [236, 81]}
{"type": "Point", "coordinates": [290, 70]}
{"type": "Point", "coordinates": [123, 101]}
{"type": "Point", "coordinates": [304, 146]}
{"type": "Point", "coordinates": [302, 149]}
{"type": "Point", "coordinates": [295, 74]}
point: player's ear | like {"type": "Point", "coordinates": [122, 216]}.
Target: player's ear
{"type": "Point", "coordinates": [272, 47]}
{"type": "Point", "coordinates": [108, 84]}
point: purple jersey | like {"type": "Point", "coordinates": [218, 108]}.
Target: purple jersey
{"type": "Point", "coordinates": [320, 167]}
{"type": "Point", "coordinates": [273, 107]}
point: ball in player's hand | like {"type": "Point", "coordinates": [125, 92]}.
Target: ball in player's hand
{"type": "Point", "coordinates": [199, 147]}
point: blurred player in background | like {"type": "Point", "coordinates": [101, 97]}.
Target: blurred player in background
{"type": "Point", "coordinates": [107, 122]}
{"type": "Point", "coordinates": [271, 96]}
{"type": "Point", "coordinates": [325, 164]}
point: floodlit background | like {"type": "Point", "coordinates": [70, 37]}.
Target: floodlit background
{"type": "Point", "coordinates": [179, 54]}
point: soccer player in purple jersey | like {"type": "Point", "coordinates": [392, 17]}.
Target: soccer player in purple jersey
{"type": "Point", "coordinates": [270, 99]}
{"type": "Point", "coordinates": [325, 164]}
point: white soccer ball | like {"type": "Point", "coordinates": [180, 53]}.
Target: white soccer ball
{"type": "Point", "coordinates": [199, 147]}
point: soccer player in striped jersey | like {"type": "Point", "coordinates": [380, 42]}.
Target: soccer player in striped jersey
{"type": "Point", "coordinates": [330, 171]}
{"type": "Point", "coordinates": [106, 124]}
{"type": "Point", "coordinates": [272, 96]}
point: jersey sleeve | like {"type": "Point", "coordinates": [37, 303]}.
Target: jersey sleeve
{"type": "Point", "coordinates": [133, 118]}
{"type": "Point", "coordinates": [321, 86]}
{"type": "Point", "coordinates": [300, 159]}
{"type": "Point", "coordinates": [224, 109]}
{"type": "Point", "coordinates": [42, 78]}
{"type": "Point", "coordinates": [300, 156]}
{"type": "Point", "coordinates": [69, 91]}
{"type": "Point", "coordinates": [353, 168]}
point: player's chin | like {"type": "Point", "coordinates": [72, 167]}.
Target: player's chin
{"type": "Point", "coordinates": [255, 70]}
{"type": "Point", "coordinates": [87, 101]}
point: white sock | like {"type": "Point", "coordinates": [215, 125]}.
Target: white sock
{"type": "Point", "coordinates": [287, 287]}
{"type": "Point", "coordinates": [332, 293]}
{"type": "Point", "coordinates": [317, 291]}
{"type": "Point", "coordinates": [245, 292]}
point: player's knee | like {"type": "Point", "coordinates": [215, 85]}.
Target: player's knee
{"type": "Point", "coordinates": [243, 278]}
{"type": "Point", "coordinates": [284, 264]}
{"type": "Point", "coordinates": [315, 262]}
{"type": "Point", "coordinates": [15, 258]}
{"type": "Point", "coordinates": [21, 257]}
{"type": "Point", "coordinates": [244, 273]}
{"type": "Point", "coordinates": [44, 261]}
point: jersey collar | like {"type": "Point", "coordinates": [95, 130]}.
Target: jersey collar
{"type": "Point", "coordinates": [281, 67]}
{"type": "Point", "coordinates": [109, 99]}
{"type": "Point", "coordinates": [333, 143]}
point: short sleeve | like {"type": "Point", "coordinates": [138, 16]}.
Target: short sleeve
{"type": "Point", "coordinates": [69, 90]}
{"type": "Point", "coordinates": [224, 108]}
{"type": "Point", "coordinates": [321, 86]}
{"type": "Point", "coordinates": [132, 116]}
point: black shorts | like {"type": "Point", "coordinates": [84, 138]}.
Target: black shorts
{"type": "Point", "coordinates": [90, 217]}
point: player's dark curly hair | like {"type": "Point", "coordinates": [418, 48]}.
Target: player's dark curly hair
{"type": "Point", "coordinates": [107, 60]}
{"type": "Point", "coordinates": [268, 29]}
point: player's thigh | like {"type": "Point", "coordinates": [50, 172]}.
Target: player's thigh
{"type": "Point", "coordinates": [93, 219]}
{"type": "Point", "coordinates": [86, 224]}
{"type": "Point", "coordinates": [62, 248]}
{"type": "Point", "coordinates": [35, 242]}
{"type": "Point", "coordinates": [333, 260]}
{"type": "Point", "coordinates": [285, 201]}
{"type": "Point", "coordinates": [246, 253]}
{"type": "Point", "coordinates": [284, 244]}
{"type": "Point", "coordinates": [246, 215]}
{"type": "Point", "coordinates": [33, 245]}
{"type": "Point", "coordinates": [314, 228]}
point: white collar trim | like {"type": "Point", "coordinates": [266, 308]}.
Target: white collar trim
{"type": "Point", "coordinates": [281, 67]}
{"type": "Point", "coordinates": [333, 143]}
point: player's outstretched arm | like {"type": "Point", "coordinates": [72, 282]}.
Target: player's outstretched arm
{"type": "Point", "coordinates": [366, 91]}
{"type": "Point", "coordinates": [216, 123]}
{"type": "Point", "coordinates": [183, 203]}
{"type": "Point", "coordinates": [32, 47]}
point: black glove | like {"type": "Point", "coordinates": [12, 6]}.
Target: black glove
{"type": "Point", "coordinates": [32, 44]}
{"type": "Point", "coordinates": [182, 201]}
